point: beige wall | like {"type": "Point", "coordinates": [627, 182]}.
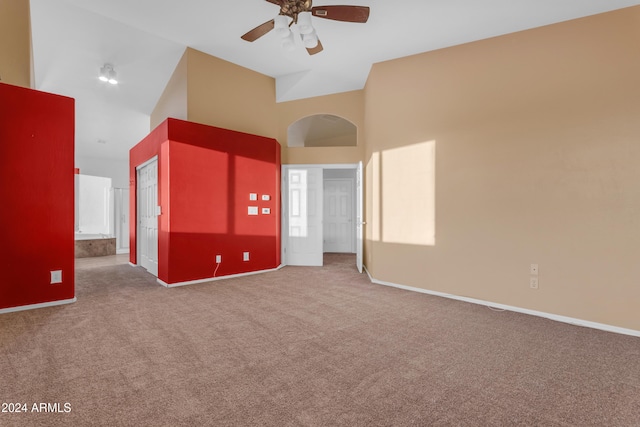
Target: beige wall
{"type": "Point", "coordinates": [226, 95]}
{"type": "Point", "coordinates": [15, 42]}
{"type": "Point", "coordinates": [537, 146]}
{"type": "Point", "coordinates": [349, 105]}
{"type": "Point", "coordinates": [173, 101]}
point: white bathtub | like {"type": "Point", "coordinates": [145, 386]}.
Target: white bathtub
{"type": "Point", "coordinates": [88, 236]}
{"type": "Point", "coordinates": [90, 245]}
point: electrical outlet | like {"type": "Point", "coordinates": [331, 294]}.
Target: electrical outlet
{"type": "Point", "coordinates": [56, 276]}
{"type": "Point", "coordinates": [533, 282]}
{"type": "Point", "coordinates": [533, 269]}
{"type": "Point", "coordinates": [245, 256]}
{"type": "Point", "coordinates": [218, 259]}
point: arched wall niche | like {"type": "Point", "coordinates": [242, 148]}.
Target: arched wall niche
{"type": "Point", "coordinates": [322, 130]}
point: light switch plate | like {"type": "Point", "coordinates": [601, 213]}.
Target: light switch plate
{"type": "Point", "coordinates": [253, 210]}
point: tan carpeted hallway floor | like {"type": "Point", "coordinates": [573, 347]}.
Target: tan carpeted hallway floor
{"type": "Point", "coordinates": [304, 346]}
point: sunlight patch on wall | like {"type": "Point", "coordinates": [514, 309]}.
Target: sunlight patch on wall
{"type": "Point", "coordinates": [406, 194]}
{"type": "Point", "coordinates": [373, 176]}
{"type": "Point", "coordinates": [199, 190]}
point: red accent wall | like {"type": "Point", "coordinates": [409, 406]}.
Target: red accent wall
{"type": "Point", "coordinates": [37, 181]}
{"type": "Point", "coordinates": [205, 177]}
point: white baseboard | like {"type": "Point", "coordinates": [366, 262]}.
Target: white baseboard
{"type": "Point", "coordinates": [213, 279]}
{"type": "Point", "coordinates": [132, 264]}
{"type": "Point", "coordinates": [35, 306]}
{"type": "Point", "coordinates": [556, 317]}
{"type": "Point", "coordinates": [122, 251]}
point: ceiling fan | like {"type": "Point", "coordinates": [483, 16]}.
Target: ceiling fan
{"type": "Point", "coordinates": [297, 14]}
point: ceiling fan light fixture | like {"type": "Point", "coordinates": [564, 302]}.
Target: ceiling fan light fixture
{"type": "Point", "coordinates": [310, 40]}
{"type": "Point", "coordinates": [281, 25]}
{"type": "Point", "coordinates": [288, 43]}
{"type": "Point", "coordinates": [304, 23]}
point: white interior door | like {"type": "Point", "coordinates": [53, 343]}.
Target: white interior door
{"type": "Point", "coordinates": [359, 217]}
{"type": "Point", "coordinates": [338, 223]}
{"type": "Point", "coordinates": [304, 216]}
{"type": "Point", "coordinates": [147, 230]}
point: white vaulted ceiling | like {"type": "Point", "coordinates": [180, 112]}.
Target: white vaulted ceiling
{"type": "Point", "coordinates": [144, 39]}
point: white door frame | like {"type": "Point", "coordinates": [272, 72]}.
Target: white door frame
{"type": "Point", "coordinates": [285, 206]}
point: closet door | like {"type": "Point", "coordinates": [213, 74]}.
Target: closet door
{"type": "Point", "coordinates": [148, 210]}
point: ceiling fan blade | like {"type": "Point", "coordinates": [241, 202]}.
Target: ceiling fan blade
{"type": "Point", "coordinates": [342, 13]}
{"type": "Point", "coordinates": [317, 49]}
{"type": "Point", "coordinates": [258, 31]}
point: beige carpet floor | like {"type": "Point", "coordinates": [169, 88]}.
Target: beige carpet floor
{"type": "Point", "coordinates": [304, 346]}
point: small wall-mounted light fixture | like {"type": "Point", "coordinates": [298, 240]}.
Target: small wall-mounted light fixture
{"type": "Point", "coordinates": [108, 74]}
